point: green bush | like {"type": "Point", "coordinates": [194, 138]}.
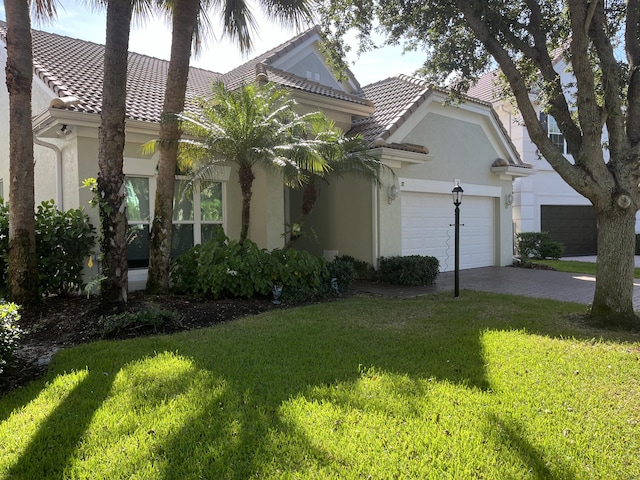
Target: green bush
{"type": "Point", "coordinates": [63, 240]}
{"type": "Point", "coordinates": [9, 331]}
{"type": "Point", "coordinates": [409, 270]}
{"type": "Point", "coordinates": [224, 268]}
{"type": "Point", "coordinates": [148, 320]}
{"type": "Point", "coordinates": [537, 245]}
{"type": "Point", "coordinates": [362, 269]}
{"type": "Point", "coordinates": [343, 271]}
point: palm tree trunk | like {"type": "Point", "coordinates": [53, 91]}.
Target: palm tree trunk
{"type": "Point", "coordinates": [246, 178]}
{"type": "Point", "coordinates": [185, 16]}
{"type": "Point", "coordinates": [111, 137]}
{"type": "Point", "coordinates": [22, 262]}
{"type": "Point", "coordinates": [309, 197]}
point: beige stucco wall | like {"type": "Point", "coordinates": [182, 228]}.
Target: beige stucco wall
{"type": "Point", "coordinates": [462, 145]}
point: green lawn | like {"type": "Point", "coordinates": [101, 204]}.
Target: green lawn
{"type": "Point", "coordinates": [574, 266]}
{"type": "Point", "coordinates": [484, 386]}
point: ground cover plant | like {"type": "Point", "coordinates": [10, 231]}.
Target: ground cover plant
{"type": "Point", "coordinates": [484, 386]}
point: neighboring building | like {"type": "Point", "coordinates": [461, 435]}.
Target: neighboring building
{"type": "Point", "coordinates": [544, 201]}
{"type": "Point", "coordinates": [427, 143]}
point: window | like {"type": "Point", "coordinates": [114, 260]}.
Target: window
{"type": "Point", "coordinates": [554, 133]}
{"type": "Point", "coordinates": [189, 228]}
{"type": "Point", "coordinates": [139, 218]}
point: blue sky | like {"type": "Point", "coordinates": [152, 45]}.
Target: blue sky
{"type": "Point", "coordinates": [153, 38]}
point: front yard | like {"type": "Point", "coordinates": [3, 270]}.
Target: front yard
{"type": "Point", "coordinates": [485, 386]}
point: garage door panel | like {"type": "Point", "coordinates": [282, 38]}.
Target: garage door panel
{"type": "Point", "coordinates": [427, 229]}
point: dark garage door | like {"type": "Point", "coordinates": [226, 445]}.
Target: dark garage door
{"type": "Point", "coordinates": [573, 225]}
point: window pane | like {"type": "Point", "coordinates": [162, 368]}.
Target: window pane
{"type": "Point", "coordinates": [211, 201]}
{"type": "Point", "coordinates": [183, 201]}
{"type": "Point", "coordinates": [181, 239]}
{"type": "Point", "coordinates": [138, 246]}
{"type": "Point", "coordinates": [210, 231]}
{"type": "Point", "coordinates": [137, 199]}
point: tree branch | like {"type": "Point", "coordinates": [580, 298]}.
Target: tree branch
{"type": "Point", "coordinates": [632, 47]}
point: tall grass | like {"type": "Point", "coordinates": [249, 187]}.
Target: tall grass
{"type": "Point", "coordinates": [485, 386]}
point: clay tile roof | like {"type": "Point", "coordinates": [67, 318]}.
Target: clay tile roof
{"type": "Point", "coordinates": [486, 88]}
{"type": "Point", "coordinates": [74, 67]}
{"type": "Point", "coordinates": [395, 98]}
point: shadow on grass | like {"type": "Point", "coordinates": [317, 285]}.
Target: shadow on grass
{"type": "Point", "coordinates": [513, 436]}
{"type": "Point", "coordinates": [266, 361]}
{"type": "Point", "coordinates": [58, 436]}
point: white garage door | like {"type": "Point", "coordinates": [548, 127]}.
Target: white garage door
{"type": "Point", "coordinates": [427, 229]}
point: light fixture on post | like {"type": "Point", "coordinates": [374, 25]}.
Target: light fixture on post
{"type": "Point", "coordinates": [392, 193]}
{"type": "Point", "coordinates": [457, 193]}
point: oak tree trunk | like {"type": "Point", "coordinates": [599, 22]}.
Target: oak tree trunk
{"type": "Point", "coordinates": [22, 261]}
{"type": "Point", "coordinates": [111, 138]}
{"type": "Point", "coordinates": [613, 298]}
{"type": "Point", "coordinates": [185, 15]}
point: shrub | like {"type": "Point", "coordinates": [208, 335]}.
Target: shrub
{"type": "Point", "coordinates": [148, 320]}
{"type": "Point", "coordinates": [538, 245]}
{"type": "Point", "coordinates": [343, 271]}
{"type": "Point", "coordinates": [409, 270]}
{"type": "Point", "coordinates": [63, 240]}
{"type": "Point", "coordinates": [363, 270]}
{"type": "Point", "coordinates": [224, 268]}
{"type": "Point", "coordinates": [9, 331]}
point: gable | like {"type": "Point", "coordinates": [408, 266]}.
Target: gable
{"type": "Point", "coordinates": [309, 65]}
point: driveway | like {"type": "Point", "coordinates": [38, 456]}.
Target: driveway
{"type": "Point", "coordinates": [567, 287]}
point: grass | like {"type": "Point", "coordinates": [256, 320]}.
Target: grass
{"type": "Point", "coordinates": [574, 266]}
{"type": "Point", "coordinates": [485, 386]}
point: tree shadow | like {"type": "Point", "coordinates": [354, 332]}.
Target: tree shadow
{"type": "Point", "coordinates": [510, 433]}
{"type": "Point", "coordinates": [233, 433]}
{"type": "Point", "coordinates": [49, 450]}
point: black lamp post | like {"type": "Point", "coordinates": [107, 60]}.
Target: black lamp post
{"type": "Point", "coordinates": [457, 200]}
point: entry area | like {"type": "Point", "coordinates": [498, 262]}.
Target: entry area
{"type": "Point", "coordinates": [427, 229]}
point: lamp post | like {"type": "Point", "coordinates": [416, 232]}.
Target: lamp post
{"type": "Point", "coordinates": [457, 200]}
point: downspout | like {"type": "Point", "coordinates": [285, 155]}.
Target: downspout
{"type": "Point", "coordinates": [58, 154]}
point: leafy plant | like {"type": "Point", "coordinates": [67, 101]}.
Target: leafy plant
{"type": "Point", "coordinates": [9, 331]}
{"type": "Point", "coordinates": [538, 245]}
{"type": "Point", "coordinates": [226, 268]}
{"type": "Point", "coordinates": [409, 270]}
{"type": "Point", "coordinates": [148, 320]}
{"type": "Point", "coordinates": [63, 240]}
{"type": "Point", "coordinates": [363, 270]}
{"type": "Point", "coordinates": [343, 271]}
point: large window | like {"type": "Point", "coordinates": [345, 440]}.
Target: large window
{"type": "Point", "coordinates": [197, 215]}
{"type": "Point", "coordinates": [554, 133]}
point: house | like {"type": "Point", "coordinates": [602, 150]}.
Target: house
{"type": "Point", "coordinates": [410, 127]}
{"type": "Point", "coordinates": [544, 201]}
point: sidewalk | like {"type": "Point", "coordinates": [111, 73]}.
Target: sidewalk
{"type": "Point", "coordinates": [566, 287]}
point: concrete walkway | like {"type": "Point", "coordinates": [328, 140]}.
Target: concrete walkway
{"type": "Point", "coordinates": [567, 287]}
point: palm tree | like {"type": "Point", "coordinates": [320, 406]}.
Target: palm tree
{"type": "Point", "coordinates": [249, 127]}
{"type": "Point", "coordinates": [111, 142]}
{"type": "Point", "coordinates": [344, 155]}
{"type": "Point", "coordinates": [22, 262]}
{"type": "Point", "coordinates": [188, 17]}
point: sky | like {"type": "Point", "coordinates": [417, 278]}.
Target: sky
{"type": "Point", "coordinates": [76, 20]}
